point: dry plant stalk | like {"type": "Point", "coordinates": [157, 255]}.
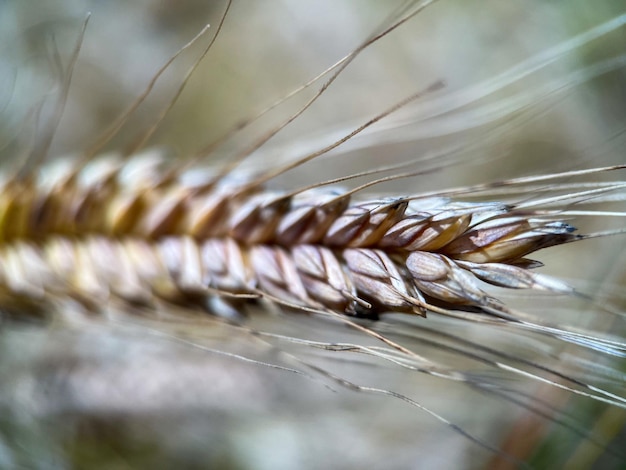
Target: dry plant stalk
{"type": "Point", "coordinates": [136, 234]}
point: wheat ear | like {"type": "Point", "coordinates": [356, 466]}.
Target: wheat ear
{"type": "Point", "coordinates": [318, 248]}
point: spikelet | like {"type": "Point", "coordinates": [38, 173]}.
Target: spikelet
{"type": "Point", "coordinates": [124, 255]}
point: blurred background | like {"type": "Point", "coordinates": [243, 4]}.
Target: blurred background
{"type": "Point", "coordinates": [528, 89]}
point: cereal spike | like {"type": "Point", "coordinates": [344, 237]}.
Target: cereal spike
{"type": "Point", "coordinates": [317, 249]}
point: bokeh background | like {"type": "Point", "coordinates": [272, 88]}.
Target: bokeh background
{"type": "Point", "coordinates": [119, 395]}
